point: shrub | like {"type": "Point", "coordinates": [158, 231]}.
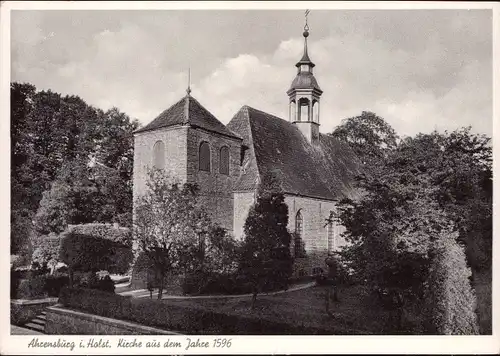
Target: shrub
{"type": "Point", "coordinates": [15, 280]}
{"type": "Point", "coordinates": [92, 281]}
{"type": "Point", "coordinates": [54, 284]}
{"type": "Point", "coordinates": [193, 283]}
{"type": "Point", "coordinates": [46, 252]}
{"type": "Point", "coordinates": [449, 296]}
{"type": "Point", "coordinates": [106, 284]}
{"type": "Point", "coordinates": [32, 288]}
{"type": "Point", "coordinates": [88, 253]}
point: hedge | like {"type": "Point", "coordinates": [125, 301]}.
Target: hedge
{"type": "Point", "coordinates": [110, 232]}
{"type": "Point", "coordinates": [188, 320]}
{"type": "Point", "coordinates": [81, 252]}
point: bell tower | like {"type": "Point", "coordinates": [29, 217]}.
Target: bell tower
{"type": "Point", "coordinates": [304, 96]}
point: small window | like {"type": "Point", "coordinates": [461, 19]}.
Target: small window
{"type": "Point", "coordinates": [159, 155]}
{"type": "Point", "coordinates": [204, 157]}
{"type": "Point", "coordinates": [224, 160]}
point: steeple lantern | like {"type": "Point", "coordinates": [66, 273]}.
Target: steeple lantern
{"type": "Point", "coordinates": [304, 95]}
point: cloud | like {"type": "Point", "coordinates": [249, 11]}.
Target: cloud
{"type": "Point", "coordinates": [419, 70]}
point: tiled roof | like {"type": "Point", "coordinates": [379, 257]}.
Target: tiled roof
{"type": "Point", "coordinates": [188, 111]}
{"type": "Point", "coordinates": [324, 171]}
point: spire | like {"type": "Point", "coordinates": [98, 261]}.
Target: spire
{"type": "Point", "coordinates": [305, 57]}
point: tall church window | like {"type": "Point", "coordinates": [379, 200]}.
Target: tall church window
{"type": "Point", "coordinates": [204, 157]}
{"type": "Point", "coordinates": [224, 160]}
{"type": "Point", "coordinates": [159, 155]}
{"type": "Point", "coordinates": [299, 243]}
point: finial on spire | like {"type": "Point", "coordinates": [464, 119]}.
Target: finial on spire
{"type": "Point", "coordinates": [188, 90]}
{"type": "Point", "coordinates": [306, 26]}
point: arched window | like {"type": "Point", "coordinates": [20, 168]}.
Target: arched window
{"type": "Point", "coordinates": [159, 155]}
{"type": "Point", "coordinates": [303, 109]}
{"type": "Point", "coordinates": [299, 223]}
{"type": "Point", "coordinates": [204, 157]}
{"type": "Point", "coordinates": [224, 160]}
{"type": "Point", "coordinates": [299, 250]}
{"type": "Point", "coordinates": [315, 110]}
{"type": "Point", "coordinates": [293, 111]}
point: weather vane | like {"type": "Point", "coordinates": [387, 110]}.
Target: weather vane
{"type": "Point", "coordinates": [306, 27]}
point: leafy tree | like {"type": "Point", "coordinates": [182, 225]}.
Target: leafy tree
{"type": "Point", "coordinates": [449, 296]}
{"type": "Point", "coordinates": [420, 193]}
{"type": "Point", "coordinates": [369, 135]}
{"type": "Point", "coordinates": [169, 225]}
{"type": "Point", "coordinates": [48, 131]}
{"type": "Point", "coordinates": [71, 200]}
{"type": "Point", "coordinates": [21, 102]}
{"type": "Point", "coordinates": [265, 257]}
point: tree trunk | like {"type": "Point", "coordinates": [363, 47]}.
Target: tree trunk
{"type": "Point", "coordinates": [160, 290]}
{"type": "Point", "coordinates": [254, 299]}
{"type": "Point", "coordinates": [335, 294]}
{"type": "Point", "coordinates": [71, 279]}
{"type": "Point", "coordinates": [328, 300]}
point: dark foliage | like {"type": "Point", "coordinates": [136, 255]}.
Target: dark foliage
{"type": "Point", "coordinates": [265, 260]}
{"type": "Point", "coordinates": [53, 135]}
{"type": "Point", "coordinates": [90, 254]}
{"type": "Point", "coordinates": [54, 284]}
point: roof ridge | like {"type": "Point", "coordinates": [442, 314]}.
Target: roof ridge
{"type": "Point", "coordinates": [266, 113]}
{"type": "Point", "coordinates": [246, 114]}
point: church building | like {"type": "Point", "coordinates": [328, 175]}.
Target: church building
{"type": "Point", "coordinates": [227, 162]}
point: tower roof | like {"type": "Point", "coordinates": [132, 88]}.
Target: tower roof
{"type": "Point", "coordinates": [188, 111]}
{"type": "Point", "coordinates": [305, 57]}
{"type": "Point", "coordinates": [305, 78]}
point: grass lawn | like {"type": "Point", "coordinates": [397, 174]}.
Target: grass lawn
{"type": "Point", "coordinates": [354, 314]}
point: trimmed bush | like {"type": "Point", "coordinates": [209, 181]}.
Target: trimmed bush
{"type": "Point", "coordinates": [121, 235]}
{"type": "Point", "coordinates": [189, 320]}
{"type": "Point", "coordinates": [450, 298]}
{"type": "Point", "coordinates": [88, 253]}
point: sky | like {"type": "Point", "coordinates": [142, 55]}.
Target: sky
{"type": "Point", "coordinates": [420, 70]}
